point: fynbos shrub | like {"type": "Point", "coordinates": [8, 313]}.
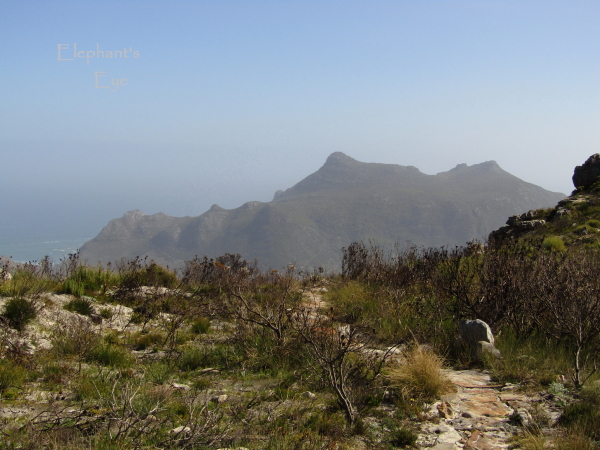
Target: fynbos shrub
{"type": "Point", "coordinates": [19, 312]}
{"type": "Point", "coordinates": [554, 243]}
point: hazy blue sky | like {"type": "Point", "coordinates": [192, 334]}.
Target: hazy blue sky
{"type": "Point", "coordinates": [229, 101]}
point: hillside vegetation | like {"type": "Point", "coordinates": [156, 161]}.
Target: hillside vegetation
{"type": "Point", "coordinates": [223, 355]}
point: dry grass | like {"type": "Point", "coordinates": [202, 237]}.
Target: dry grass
{"type": "Point", "coordinates": [421, 376]}
{"type": "Point", "coordinates": [532, 441]}
{"type": "Point", "coordinates": [575, 441]}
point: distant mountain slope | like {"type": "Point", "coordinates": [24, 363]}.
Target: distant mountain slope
{"type": "Point", "coordinates": [344, 201]}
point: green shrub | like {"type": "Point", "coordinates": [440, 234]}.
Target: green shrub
{"type": "Point", "coordinates": [73, 336]}
{"type": "Point", "coordinates": [145, 341]}
{"type": "Point", "coordinates": [73, 287]}
{"type": "Point", "coordinates": [582, 417]}
{"type": "Point", "coordinates": [11, 376]}
{"type": "Point", "coordinates": [201, 326]}
{"type": "Point", "coordinates": [80, 306]}
{"type": "Point", "coordinates": [84, 279]}
{"type": "Point", "coordinates": [327, 424]}
{"type": "Point", "coordinates": [403, 437]}
{"type": "Point", "coordinates": [110, 355]}
{"type": "Point", "coordinates": [201, 384]}
{"type": "Point", "coordinates": [106, 313]}
{"type": "Point", "coordinates": [25, 283]}
{"type": "Point", "coordinates": [584, 229]}
{"type": "Point", "coordinates": [535, 360]}
{"type": "Point", "coordinates": [54, 373]}
{"type": "Point", "coordinates": [159, 372]}
{"type": "Point", "coordinates": [195, 357]}
{"type": "Point", "coordinates": [593, 223]}
{"type": "Point", "coordinates": [19, 312]}
{"type": "Point", "coordinates": [554, 244]}
{"type": "Point", "coordinates": [192, 358]}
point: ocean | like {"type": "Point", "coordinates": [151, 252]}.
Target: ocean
{"type": "Point", "coordinates": [27, 249]}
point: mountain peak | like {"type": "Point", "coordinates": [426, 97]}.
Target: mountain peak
{"type": "Point", "coordinates": [339, 158]}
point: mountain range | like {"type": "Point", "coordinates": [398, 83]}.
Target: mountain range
{"type": "Point", "coordinates": [344, 201]}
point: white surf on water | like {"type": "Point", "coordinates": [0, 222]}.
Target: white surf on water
{"type": "Point", "coordinates": [23, 249]}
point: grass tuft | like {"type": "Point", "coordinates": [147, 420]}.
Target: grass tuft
{"type": "Point", "coordinates": [80, 306]}
{"type": "Point", "coordinates": [201, 326]}
{"type": "Point", "coordinates": [421, 376]}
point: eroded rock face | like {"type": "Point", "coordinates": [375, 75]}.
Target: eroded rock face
{"type": "Point", "coordinates": [588, 173]}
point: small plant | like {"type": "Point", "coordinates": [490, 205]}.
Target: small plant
{"type": "Point", "coordinates": [145, 341]}
{"type": "Point", "coordinates": [583, 417]}
{"type": "Point", "coordinates": [554, 244]}
{"type": "Point", "coordinates": [80, 306]}
{"type": "Point", "coordinates": [403, 437]}
{"type": "Point", "coordinates": [532, 441]}
{"type": "Point", "coordinates": [159, 372]}
{"type": "Point", "coordinates": [74, 336]}
{"type": "Point", "coordinates": [421, 376]}
{"type": "Point", "coordinates": [73, 287]}
{"type": "Point", "coordinates": [201, 326]}
{"type": "Point", "coordinates": [575, 441]}
{"type": "Point", "coordinates": [110, 355]}
{"type": "Point", "coordinates": [106, 313]}
{"type": "Point", "coordinates": [26, 282]}
{"type": "Point", "coordinates": [594, 223]}
{"type": "Point", "coordinates": [11, 376]}
{"type": "Point", "coordinates": [19, 312]}
{"type": "Point", "coordinates": [192, 358]}
{"type": "Point", "coordinates": [201, 384]}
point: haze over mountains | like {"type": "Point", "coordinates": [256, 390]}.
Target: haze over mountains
{"type": "Point", "coordinates": [344, 201]}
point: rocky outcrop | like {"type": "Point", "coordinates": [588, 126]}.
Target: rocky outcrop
{"type": "Point", "coordinates": [587, 174]}
{"type": "Point", "coordinates": [520, 224]}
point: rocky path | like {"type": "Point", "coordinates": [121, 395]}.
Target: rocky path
{"type": "Point", "coordinates": [480, 415]}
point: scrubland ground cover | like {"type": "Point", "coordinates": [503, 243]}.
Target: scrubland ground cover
{"type": "Point", "coordinates": [223, 355]}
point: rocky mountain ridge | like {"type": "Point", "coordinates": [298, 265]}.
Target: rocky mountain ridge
{"type": "Point", "coordinates": [344, 201]}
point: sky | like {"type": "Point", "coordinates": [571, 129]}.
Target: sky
{"type": "Point", "coordinates": [229, 101]}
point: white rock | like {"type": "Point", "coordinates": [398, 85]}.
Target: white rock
{"type": "Point", "coordinates": [219, 398]}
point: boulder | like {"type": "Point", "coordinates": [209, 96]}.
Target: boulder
{"type": "Point", "coordinates": [476, 337]}
{"type": "Point", "coordinates": [219, 398]}
{"type": "Point", "coordinates": [473, 331]}
{"type": "Point", "coordinates": [588, 173]}
{"type": "Point", "coordinates": [485, 348]}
